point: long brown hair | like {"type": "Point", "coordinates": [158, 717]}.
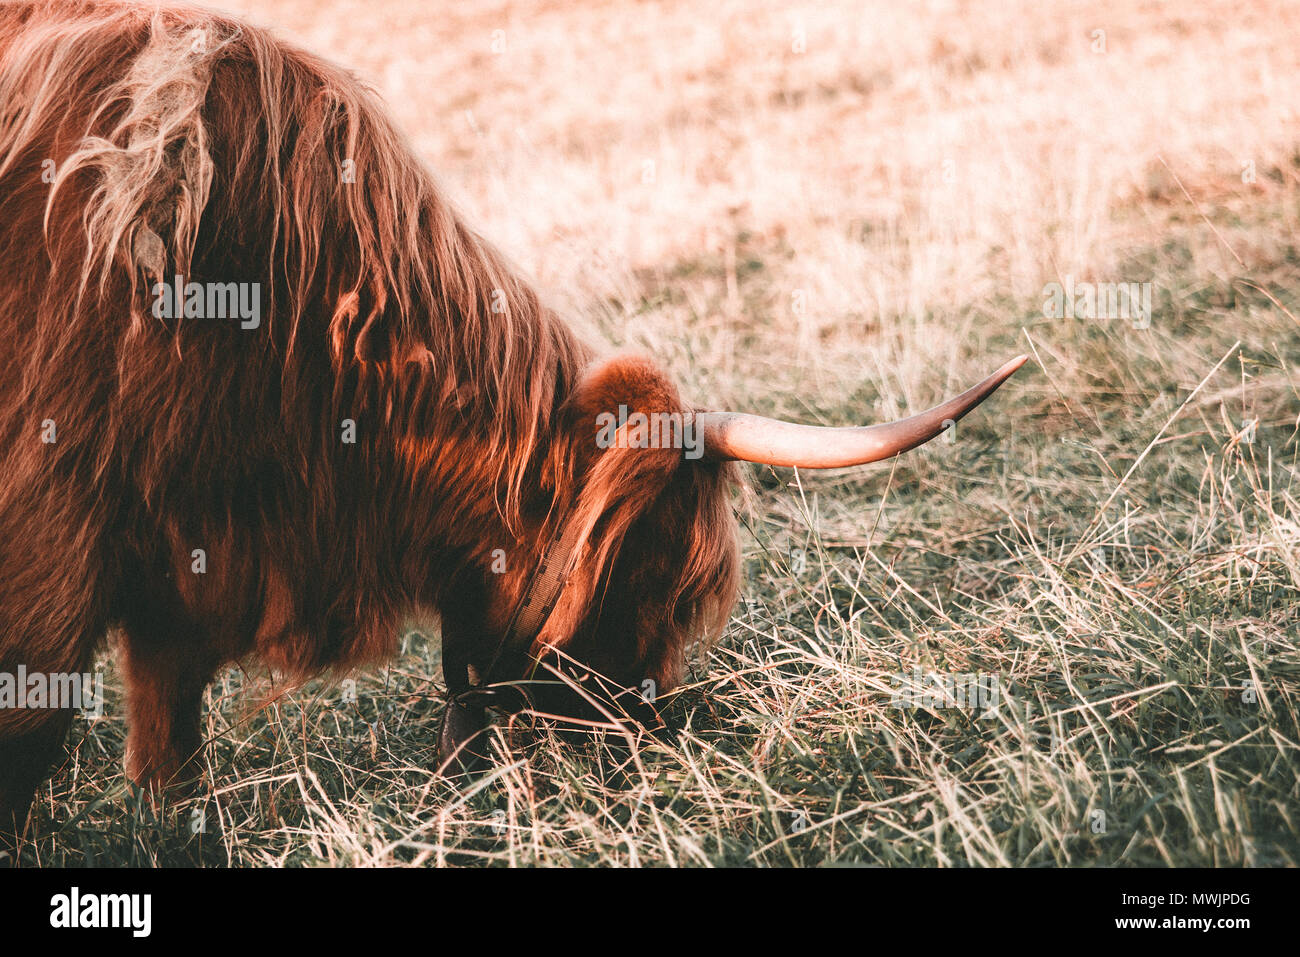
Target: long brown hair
{"type": "Point", "coordinates": [139, 144]}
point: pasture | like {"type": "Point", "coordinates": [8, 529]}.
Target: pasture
{"type": "Point", "coordinates": [841, 213]}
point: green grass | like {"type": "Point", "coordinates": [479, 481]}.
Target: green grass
{"type": "Point", "coordinates": [1101, 538]}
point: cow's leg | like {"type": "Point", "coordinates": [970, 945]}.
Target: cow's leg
{"type": "Point", "coordinates": [52, 614]}
{"type": "Point", "coordinates": [25, 760]}
{"type": "Point", "coordinates": [31, 737]}
{"type": "Point", "coordinates": [461, 739]}
{"type": "Point", "coordinates": [165, 680]}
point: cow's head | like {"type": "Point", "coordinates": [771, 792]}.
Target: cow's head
{"type": "Point", "coordinates": [635, 555]}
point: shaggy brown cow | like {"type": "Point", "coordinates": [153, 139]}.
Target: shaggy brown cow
{"type": "Point", "coordinates": [262, 392]}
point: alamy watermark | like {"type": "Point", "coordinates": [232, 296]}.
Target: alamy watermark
{"type": "Point", "coordinates": [934, 690]}
{"type": "Point", "coordinates": [78, 909]}
{"type": "Point", "coordinates": [1099, 300]}
{"type": "Point", "coordinates": [654, 430]}
{"type": "Point", "coordinates": [209, 300]}
{"type": "Point", "coordinates": [58, 690]}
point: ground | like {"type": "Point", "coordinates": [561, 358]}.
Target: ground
{"type": "Point", "coordinates": [842, 212]}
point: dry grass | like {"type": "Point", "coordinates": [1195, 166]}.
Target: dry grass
{"type": "Point", "coordinates": [840, 234]}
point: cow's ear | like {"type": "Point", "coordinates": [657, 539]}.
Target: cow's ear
{"type": "Point", "coordinates": [601, 414]}
{"type": "Point", "coordinates": [615, 475]}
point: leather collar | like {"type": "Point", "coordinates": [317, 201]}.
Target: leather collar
{"type": "Point", "coordinates": [540, 595]}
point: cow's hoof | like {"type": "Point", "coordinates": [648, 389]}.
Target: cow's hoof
{"type": "Point", "coordinates": [462, 740]}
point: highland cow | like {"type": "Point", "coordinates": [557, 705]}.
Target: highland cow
{"type": "Point", "coordinates": [263, 392]}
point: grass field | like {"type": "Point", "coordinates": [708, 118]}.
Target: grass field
{"type": "Point", "coordinates": [841, 212]}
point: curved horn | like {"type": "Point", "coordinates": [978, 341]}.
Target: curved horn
{"type": "Point", "coordinates": [753, 438]}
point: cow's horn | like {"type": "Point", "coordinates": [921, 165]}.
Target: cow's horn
{"type": "Point", "coordinates": [753, 438]}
